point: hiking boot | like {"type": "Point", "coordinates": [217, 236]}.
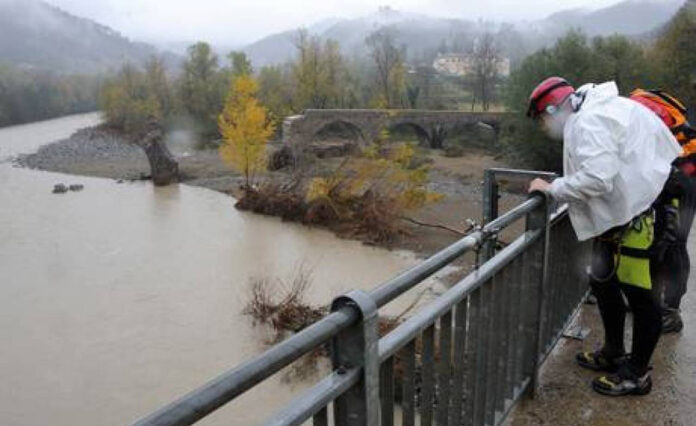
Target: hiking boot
{"type": "Point", "coordinates": [624, 382]}
{"type": "Point", "coordinates": [671, 321]}
{"type": "Point", "coordinates": [598, 361]}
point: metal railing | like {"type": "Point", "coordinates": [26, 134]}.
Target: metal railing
{"type": "Point", "coordinates": [463, 359]}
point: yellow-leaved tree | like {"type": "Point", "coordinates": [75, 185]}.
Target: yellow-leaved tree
{"type": "Point", "coordinates": [245, 130]}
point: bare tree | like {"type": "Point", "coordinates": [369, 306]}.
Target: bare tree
{"type": "Point", "coordinates": [485, 60]}
{"type": "Point", "coordinates": [389, 61]}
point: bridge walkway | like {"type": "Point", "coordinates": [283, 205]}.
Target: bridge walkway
{"type": "Point", "coordinates": [566, 398]}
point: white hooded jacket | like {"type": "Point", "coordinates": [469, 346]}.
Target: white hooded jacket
{"type": "Point", "coordinates": [617, 155]}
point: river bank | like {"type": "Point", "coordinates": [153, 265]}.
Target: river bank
{"type": "Point", "coordinates": [96, 151]}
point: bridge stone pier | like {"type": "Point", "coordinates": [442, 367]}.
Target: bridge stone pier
{"type": "Point", "coordinates": [366, 124]}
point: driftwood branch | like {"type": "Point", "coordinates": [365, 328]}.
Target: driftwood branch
{"type": "Point", "coordinates": [438, 226]}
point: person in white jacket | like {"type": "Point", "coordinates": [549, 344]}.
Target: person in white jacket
{"type": "Point", "coordinates": [617, 156]}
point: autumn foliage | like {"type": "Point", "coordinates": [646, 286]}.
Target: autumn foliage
{"type": "Point", "coordinates": [381, 181]}
{"type": "Point", "coordinates": [245, 130]}
{"type": "Point", "coordinates": [365, 195]}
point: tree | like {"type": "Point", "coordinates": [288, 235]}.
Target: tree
{"type": "Point", "coordinates": [30, 94]}
{"type": "Point", "coordinates": [422, 88]}
{"type": "Point", "coordinates": [611, 58]}
{"type": "Point", "coordinates": [158, 85]}
{"type": "Point", "coordinates": [275, 91]}
{"type": "Point", "coordinates": [202, 88]}
{"type": "Point", "coordinates": [318, 73]}
{"type": "Point", "coordinates": [241, 65]}
{"type": "Point", "coordinates": [334, 73]}
{"type": "Point", "coordinates": [674, 56]}
{"type": "Point", "coordinates": [413, 93]}
{"type": "Point", "coordinates": [486, 60]}
{"type": "Point", "coordinates": [374, 191]}
{"type": "Point", "coordinates": [619, 59]}
{"type": "Point", "coordinates": [245, 129]}
{"type": "Point", "coordinates": [571, 58]}
{"type": "Point", "coordinates": [389, 63]}
{"type": "Point", "coordinates": [308, 72]}
{"type": "Point", "coordinates": [128, 101]}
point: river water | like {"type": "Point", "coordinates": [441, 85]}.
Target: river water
{"type": "Point", "coordinates": [121, 297]}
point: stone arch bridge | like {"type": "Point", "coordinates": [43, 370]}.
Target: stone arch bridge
{"type": "Point", "coordinates": [366, 124]}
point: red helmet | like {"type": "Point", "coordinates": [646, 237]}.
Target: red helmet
{"type": "Point", "coordinates": [550, 92]}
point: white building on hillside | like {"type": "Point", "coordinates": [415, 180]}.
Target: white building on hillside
{"type": "Point", "coordinates": [461, 64]}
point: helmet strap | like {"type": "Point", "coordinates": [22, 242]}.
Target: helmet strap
{"type": "Point", "coordinates": [576, 100]}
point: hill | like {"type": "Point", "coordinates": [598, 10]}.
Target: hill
{"type": "Point", "coordinates": [630, 17]}
{"type": "Point", "coordinates": [36, 35]}
{"type": "Point", "coordinates": [424, 36]}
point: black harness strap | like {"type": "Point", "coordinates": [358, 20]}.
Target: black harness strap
{"type": "Point", "coordinates": [669, 99]}
{"type": "Point", "coordinates": [636, 253]}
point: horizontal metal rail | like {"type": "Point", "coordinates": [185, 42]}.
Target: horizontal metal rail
{"type": "Point", "coordinates": [303, 407]}
{"type": "Point", "coordinates": [224, 388]}
{"type": "Point", "coordinates": [320, 395]}
{"type": "Point", "coordinates": [410, 328]}
{"type": "Point", "coordinates": [393, 288]}
{"type": "Point", "coordinates": [520, 173]}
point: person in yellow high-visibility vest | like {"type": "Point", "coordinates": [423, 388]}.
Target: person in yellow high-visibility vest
{"type": "Point", "coordinates": [675, 207]}
{"type": "Point", "coordinates": [617, 157]}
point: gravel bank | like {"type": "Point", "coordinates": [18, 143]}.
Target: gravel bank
{"type": "Point", "coordinates": [96, 151]}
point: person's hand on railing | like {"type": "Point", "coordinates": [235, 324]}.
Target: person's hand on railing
{"type": "Point", "coordinates": [539, 185]}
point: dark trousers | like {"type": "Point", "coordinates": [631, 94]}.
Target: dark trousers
{"type": "Point", "coordinates": [647, 319]}
{"type": "Point", "coordinates": [673, 267]}
{"type": "Point", "coordinates": [672, 275]}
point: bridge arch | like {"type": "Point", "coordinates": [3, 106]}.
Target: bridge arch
{"type": "Point", "coordinates": [338, 126]}
{"type": "Point", "coordinates": [433, 126]}
{"type": "Point", "coordinates": [417, 129]}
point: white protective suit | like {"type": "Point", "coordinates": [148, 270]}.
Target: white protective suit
{"type": "Point", "coordinates": [617, 156]}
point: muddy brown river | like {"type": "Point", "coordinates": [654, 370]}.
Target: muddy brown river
{"type": "Point", "coordinates": [121, 297]}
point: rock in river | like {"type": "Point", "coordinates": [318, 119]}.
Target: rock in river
{"type": "Point", "coordinates": [60, 188]}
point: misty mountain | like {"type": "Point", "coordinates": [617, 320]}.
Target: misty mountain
{"type": "Point", "coordinates": [631, 17]}
{"type": "Point", "coordinates": [416, 32]}
{"type": "Point", "coordinates": [38, 35]}
{"type": "Point", "coordinates": [423, 35]}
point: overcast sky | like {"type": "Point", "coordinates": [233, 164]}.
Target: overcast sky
{"type": "Point", "coordinates": [243, 21]}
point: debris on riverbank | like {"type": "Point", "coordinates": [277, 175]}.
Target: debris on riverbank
{"type": "Point", "coordinates": [280, 305]}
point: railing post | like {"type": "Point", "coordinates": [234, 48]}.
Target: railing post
{"type": "Point", "coordinates": [490, 210]}
{"type": "Point", "coordinates": [538, 219]}
{"type": "Point", "coordinates": [357, 347]}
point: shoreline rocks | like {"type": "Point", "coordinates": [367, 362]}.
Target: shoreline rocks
{"type": "Point", "coordinates": [61, 188]}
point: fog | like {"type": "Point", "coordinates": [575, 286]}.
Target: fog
{"type": "Point", "coordinates": [238, 22]}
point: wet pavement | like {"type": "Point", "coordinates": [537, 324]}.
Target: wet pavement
{"type": "Point", "coordinates": [566, 398]}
